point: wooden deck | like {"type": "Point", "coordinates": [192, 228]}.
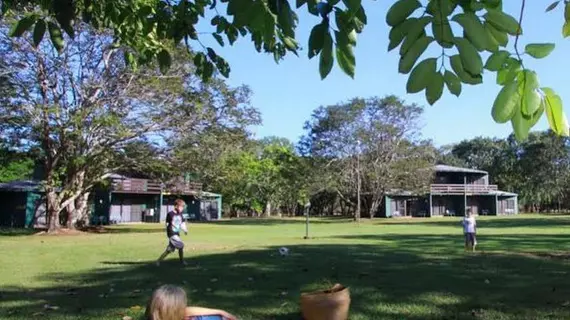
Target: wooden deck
{"type": "Point", "coordinates": [144, 186]}
{"type": "Point", "coordinates": [461, 189]}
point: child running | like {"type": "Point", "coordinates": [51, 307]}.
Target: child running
{"type": "Point", "coordinates": [174, 223]}
{"type": "Point", "coordinates": [168, 302]}
{"type": "Point", "coordinates": [470, 231]}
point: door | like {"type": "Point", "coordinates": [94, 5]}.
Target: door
{"type": "Point", "coordinates": [126, 211]}
{"type": "Point", "coordinates": [136, 212]}
{"type": "Point", "coordinates": [115, 215]}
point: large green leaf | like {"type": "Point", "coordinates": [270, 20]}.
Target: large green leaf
{"type": "Point", "coordinates": [164, 60]}
{"type": "Point", "coordinates": [539, 50]}
{"type": "Point", "coordinates": [521, 125]}
{"type": "Point", "coordinates": [470, 58]}
{"type": "Point", "coordinates": [552, 6]}
{"type": "Point", "coordinates": [496, 60]}
{"type": "Point", "coordinates": [506, 102]}
{"type": "Point", "coordinates": [496, 36]}
{"type": "Point", "coordinates": [415, 31]}
{"type": "Point", "coordinates": [509, 71]}
{"type": "Point", "coordinates": [465, 76]}
{"type": "Point", "coordinates": [555, 112]}
{"type": "Point", "coordinates": [503, 22]}
{"type": "Point", "coordinates": [452, 82]}
{"type": "Point", "coordinates": [442, 31]}
{"type": "Point", "coordinates": [409, 59]}
{"type": "Point", "coordinates": [474, 30]}
{"type": "Point", "coordinates": [434, 89]}
{"type": "Point", "coordinates": [401, 10]}
{"type": "Point", "coordinates": [56, 36]}
{"type": "Point", "coordinates": [441, 8]}
{"type": "Point", "coordinates": [529, 92]}
{"type": "Point", "coordinates": [326, 58]}
{"type": "Point", "coordinates": [317, 38]}
{"type": "Point", "coordinates": [344, 54]}
{"type": "Point", "coordinates": [566, 29]}
{"type": "Point", "coordinates": [22, 26]}
{"type": "Point", "coordinates": [421, 75]}
{"type": "Point", "coordinates": [39, 31]}
{"type": "Point", "coordinates": [399, 32]}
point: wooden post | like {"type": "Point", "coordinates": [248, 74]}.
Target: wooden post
{"type": "Point", "coordinates": [496, 205]}
{"type": "Point", "coordinates": [464, 195]}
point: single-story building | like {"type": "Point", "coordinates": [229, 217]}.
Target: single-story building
{"type": "Point", "coordinates": [125, 201]}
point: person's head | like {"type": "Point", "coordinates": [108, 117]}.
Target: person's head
{"type": "Point", "coordinates": [469, 213]}
{"type": "Point", "coordinates": [179, 205]}
{"type": "Point", "coordinates": [168, 302]}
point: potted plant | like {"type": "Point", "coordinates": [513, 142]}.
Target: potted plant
{"type": "Point", "coordinates": [329, 304]}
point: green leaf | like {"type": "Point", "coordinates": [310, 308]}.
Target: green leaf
{"type": "Point", "coordinates": [164, 60]}
{"type": "Point", "coordinates": [421, 75]}
{"type": "Point", "coordinates": [493, 4]}
{"type": "Point", "coordinates": [286, 19]}
{"type": "Point", "coordinates": [555, 112]}
{"type": "Point", "coordinates": [501, 37]}
{"type": "Point", "coordinates": [566, 29]}
{"type": "Point", "coordinates": [552, 6]}
{"type": "Point", "coordinates": [539, 50]}
{"type": "Point", "coordinates": [510, 70]}
{"type": "Point", "coordinates": [326, 59]}
{"type": "Point", "coordinates": [39, 31]}
{"type": "Point", "coordinates": [452, 82]}
{"type": "Point", "coordinates": [529, 91]}
{"type": "Point", "coordinates": [465, 76]}
{"type": "Point", "coordinates": [474, 30]}
{"type": "Point", "coordinates": [415, 31]}
{"type": "Point", "coordinates": [506, 103]}
{"type": "Point", "coordinates": [344, 55]}
{"type": "Point", "coordinates": [398, 33]}
{"type": "Point", "coordinates": [218, 38]}
{"type": "Point", "coordinates": [56, 36]}
{"type": "Point", "coordinates": [442, 31]}
{"type": "Point", "coordinates": [434, 89]}
{"type": "Point", "coordinates": [441, 8]}
{"type": "Point", "coordinates": [567, 11]}
{"type": "Point", "coordinates": [409, 59]}
{"type": "Point", "coordinates": [22, 26]}
{"type": "Point", "coordinates": [470, 58]}
{"type": "Point", "coordinates": [300, 3]}
{"type": "Point", "coordinates": [353, 6]}
{"type": "Point", "coordinates": [401, 10]}
{"type": "Point", "coordinates": [521, 126]}
{"type": "Point", "coordinates": [317, 38]}
{"type": "Point", "coordinates": [496, 60]}
{"type": "Point", "coordinates": [503, 22]}
{"type": "Point", "coordinates": [129, 58]}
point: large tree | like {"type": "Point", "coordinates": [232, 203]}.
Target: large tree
{"type": "Point", "coordinates": [82, 106]}
{"type": "Point", "coordinates": [464, 30]}
{"type": "Point", "coordinates": [375, 141]}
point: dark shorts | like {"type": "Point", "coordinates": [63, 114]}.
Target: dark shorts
{"type": "Point", "coordinates": [174, 243]}
{"type": "Point", "coordinates": [470, 238]}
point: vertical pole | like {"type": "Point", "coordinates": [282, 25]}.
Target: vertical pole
{"type": "Point", "coordinates": [496, 205]}
{"type": "Point", "coordinates": [464, 195]}
{"type": "Point", "coordinates": [160, 202]}
{"type": "Point", "coordinates": [430, 205]}
{"type": "Point", "coordinates": [358, 184]}
{"type": "Point", "coordinates": [307, 208]}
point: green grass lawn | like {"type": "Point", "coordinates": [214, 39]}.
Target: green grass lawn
{"type": "Point", "coordinates": [396, 269]}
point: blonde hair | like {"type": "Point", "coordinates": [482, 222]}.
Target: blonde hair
{"type": "Point", "coordinates": [168, 302]}
{"type": "Point", "coordinates": [179, 202]}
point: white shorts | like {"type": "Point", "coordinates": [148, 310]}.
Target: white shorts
{"type": "Point", "coordinates": [175, 242]}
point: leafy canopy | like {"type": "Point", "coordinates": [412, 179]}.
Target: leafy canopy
{"type": "Point", "coordinates": [464, 30]}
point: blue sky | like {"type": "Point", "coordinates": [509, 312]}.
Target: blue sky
{"type": "Point", "coordinates": [287, 93]}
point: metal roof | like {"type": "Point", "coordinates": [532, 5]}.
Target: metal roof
{"type": "Point", "coordinates": [446, 168]}
{"type": "Point", "coordinates": [21, 186]}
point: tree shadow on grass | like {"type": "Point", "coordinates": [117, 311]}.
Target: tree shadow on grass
{"type": "Point", "coordinates": [408, 282]}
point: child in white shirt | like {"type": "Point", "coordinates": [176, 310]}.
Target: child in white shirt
{"type": "Point", "coordinates": [470, 231]}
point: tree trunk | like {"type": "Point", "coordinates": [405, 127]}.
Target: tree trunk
{"type": "Point", "coordinates": [71, 215]}
{"type": "Point", "coordinates": [52, 210]}
{"type": "Point", "coordinates": [374, 207]}
{"type": "Point", "coordinates": [268, 209]}
{"type": "Point", "coordinates": [82, 212]}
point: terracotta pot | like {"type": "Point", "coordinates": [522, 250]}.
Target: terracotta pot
{"type": "Point", "coordinates": [331, 304]}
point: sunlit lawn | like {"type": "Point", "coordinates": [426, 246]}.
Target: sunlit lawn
{"type": "Point", "coordinates": [396, 269]}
